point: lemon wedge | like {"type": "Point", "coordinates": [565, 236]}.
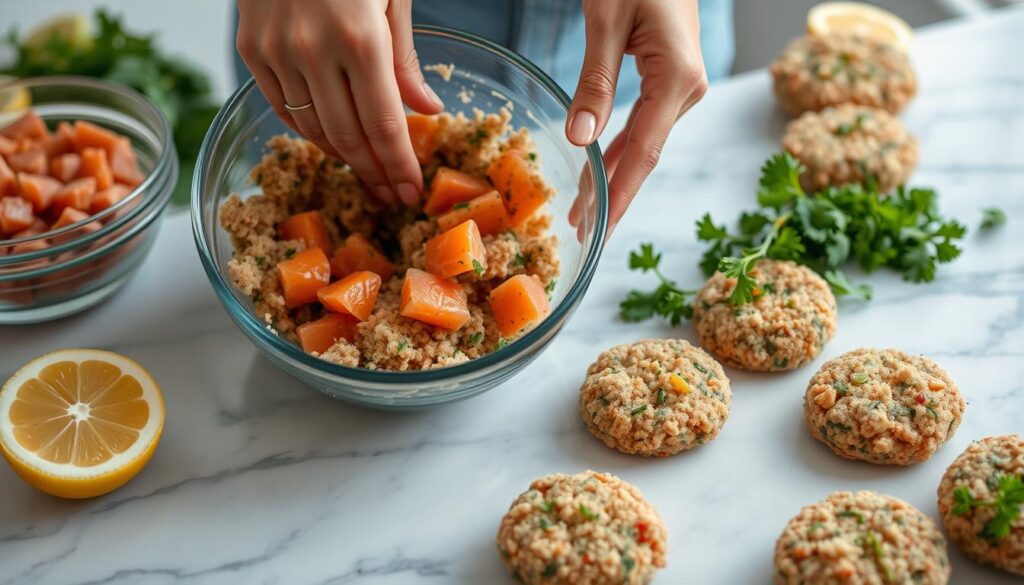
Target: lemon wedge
{"type": "Point", "coordinates": [79, 423]}
{"type": "Point", "coordinates": [73, 29]}
{"type": "Point", "coordinates": [13, 100]}
{"type": "Point", "coordinates": [858, 18]}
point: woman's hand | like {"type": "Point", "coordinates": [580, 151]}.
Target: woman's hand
{"type": "Point", "coordinates": [664, 35]}
{"type": "Point", "coordinates": [354, 61]}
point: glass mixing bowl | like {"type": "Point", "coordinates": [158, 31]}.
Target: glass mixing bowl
{"type": "Point", "coordinates": [488, 77]}
{"type": "Point", "coordinates": [64, 271]}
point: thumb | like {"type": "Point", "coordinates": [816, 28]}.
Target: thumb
{"type": "Point", "coordinates": [595, 93]}
{"type": "Point", "coordinates": [411, 85]}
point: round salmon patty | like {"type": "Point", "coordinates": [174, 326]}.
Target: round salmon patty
{"type": "Point", "coordinates": [861, 538]}
{"type": "Point", "coordinates": [655, 397]}
{"type": "Point", "coordinates": [814, 72]}
{"type": "Point", "coordinates": [986, 469]}
{"type": "Point", "coordinates": [786, 325]}
{"type": "Point", "coordinates": [882, 406]}
{"type": "Point", "coordinates": [586, 529]}
{"type": "Point", "coordinates": [851, 144]}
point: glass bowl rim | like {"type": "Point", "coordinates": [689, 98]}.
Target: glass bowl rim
{"type": "Point", "coordinates": [163, 134]}
{"type": "Point", "coordinates": [255, 327]}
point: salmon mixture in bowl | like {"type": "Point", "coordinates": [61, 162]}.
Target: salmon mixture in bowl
{"type": "Point", "coordinates": [361, 284]}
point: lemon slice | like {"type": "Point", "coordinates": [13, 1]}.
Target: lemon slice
{"type": "Point", "coordinates": [73, 29]}
{"type": "Point", "coordinates": [13, 101]}
{"type": "Point", "coordinates": [79, 423]}
{"type": "Point", "coordinates": [863, 19]}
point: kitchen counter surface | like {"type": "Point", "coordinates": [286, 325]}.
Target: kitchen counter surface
{"type": "Point", "coordinates": [259, 479]}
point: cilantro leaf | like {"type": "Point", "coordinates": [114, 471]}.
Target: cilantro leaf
{"type": "Point", "coordinates": [842, 287]}
{"type": "Point", "coordinates": [667, 300]}
{"type": "Point", "coordinates": [992, 217]}
{"type": "Point", "coordinates": [1009, 497]}
{"type": "Point", "coordinates": [645, 259]}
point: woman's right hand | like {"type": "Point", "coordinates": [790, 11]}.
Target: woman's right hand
{"type": "Point", "coordinates": [354, 61]}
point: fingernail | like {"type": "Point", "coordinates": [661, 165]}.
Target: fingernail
{"type": "Point", "coordinates": [386, 194]}
{"type": "Point", "coordinates": [408, 193]}
{"type": "Point", "coordinates": [581, 130]}
{"type": "Point", "coordinates": [431, 94]}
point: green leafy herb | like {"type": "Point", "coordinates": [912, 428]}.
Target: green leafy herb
{"type": "Point", "coordinates": [667, 300]}
{"type": "Point", "coordinates": [859, 378]}
{"type": "Point", "coordinates": [661, 397]}
{"type": "Point", "coordinates": [178, 88]}
{"type": "Point", "coordinates": [402, 345]}
{"type": "Point", "coordinates": [476, 338]}
{"type": "Point", "coordinates": [852, 514]}
{"type": "Point", "coordinates": [478, 268]}
{"type": "Point", "coordinates": [901, 230]}
{"type": "Point", "coordinates": [532, 156]}
{"type": "Point", "coordinates": [477, 136]}
{"type": "Point", "coordinates": [463, 205]}
{"type": "Point", "coordinates": [289, 252]}
{"type": "Point", "coordinates": [638, 410]}
{"type": "Point", "coordinates": [519, 260]}
{"type": "Point", "coordinates": [874, 546]}
{"type": "Point", "coordinates": [500, 344]}
{"type": "Point", "coordinates": [992, 217]}
{"type": "Point", "coordinates": [1008, 500]}
{"type": "Point", "coordinates": [549, 288]}
{"type": "Point", "coordinates": [547, 506]}
{"type": "Point", "coordinates": [543, 523]}
{"type": "Point", "coordinates": [587, 513]}
{"type": "Point", "coordinates": [260, 261]}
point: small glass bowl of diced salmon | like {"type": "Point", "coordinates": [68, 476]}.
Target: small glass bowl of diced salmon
{"type": "Point", "coordinates": [85, 173]}
{"type": "Point", "coordinates": [406, 307]}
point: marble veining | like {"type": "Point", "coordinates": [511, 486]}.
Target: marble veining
{"type": "Point", "coordinates": [259, 479]}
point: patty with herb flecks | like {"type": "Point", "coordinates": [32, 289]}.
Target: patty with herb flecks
{"type": "Point", "coordinates": [981, 500]}
{"type": "Point", "coordinates": [851, 144]}
{"type": "Point", "coordinates": [655, 397]}
{"type": "Point", "coordinates": [792, 317]}
{"type": "Point", "coordinates": [861, 538]}
{"type": "Point", "coordinates": [882, 406]}
{"type": "Point", "coordinates": [814, 72]}
{"type": "Point", "coordinates": [586, 529]}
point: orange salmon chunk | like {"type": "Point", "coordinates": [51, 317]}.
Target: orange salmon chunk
{"type": "Point", "coordinates": [39, 190]}
{"type": "Point", "coordinates": [353, 295]}
{"type": "Point", "coordinates": [450, 187]}
{"type": "Point", "coordinates": [519, 184]}
{"type": "Point", "coordinates": [423, 133]}
{"type": "Point", "coordinates": [308, 227]}
{"type": "Point", "coordinates": [518, 303]}
{"type": "Point", "coordinates": [303, 275]}
{"type": "Point", "coordinates": [433, 300]}
{"type": "Point", "coordinates": [456, 251]}
{"type": "Point", "coordinates": [318, 336]}
{"type": "Point", "coordinates": [15, 215]}
{"type": "Point", "coordinates": [357, 253]}
{"type": "Point", "coordinates": [487, 211]}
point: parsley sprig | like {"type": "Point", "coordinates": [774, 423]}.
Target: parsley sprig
{"type": "Point", "coordinates": [901, 230]}
{"type": "Point", "coordinates": [667, 300]}
{"type": "Point", "coordinates": [1008, 500]}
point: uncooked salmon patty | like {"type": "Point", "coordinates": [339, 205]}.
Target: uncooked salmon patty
{"type": "Point", "coordinates": [979, 472]}
{"type": "Point", "coordinates": [851, 144]}
{"type": "Point", "coordinates": [792, 317]}
{"type": "Point", "coordinates": [655, 397]}
{"type": "Point", "coordinates": [882, 406]}
{"type": "Point", "coordinates": [861, 538]}
{"type": "Point", "coordinates": [586, 529]}
{"type": "Point", "coordinates": [814, 72]}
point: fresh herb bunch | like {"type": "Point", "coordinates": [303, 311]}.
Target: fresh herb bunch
{"type": "Point", "coordinates": [179, 89]}
{"type": "Point", "coordinates": [1007, 502]}
{"type": "Point", "coordinates": [901, 230]}
{"type": "Point", "coordinates": [667, 300]}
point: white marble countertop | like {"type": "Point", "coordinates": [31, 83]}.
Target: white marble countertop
{"type": "Point", "coordinates": [259, 479]}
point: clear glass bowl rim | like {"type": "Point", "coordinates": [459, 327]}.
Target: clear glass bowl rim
{"type": "Point", "coordinates": [257, 328]}
{"type": "Point", "coordinates": [163, 161]}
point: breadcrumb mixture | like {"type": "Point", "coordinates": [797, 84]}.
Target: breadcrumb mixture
{"type": "Point", "coordinates": [814, 72]}
{"type": "Point", "coordinates": [295, 176]}
{"type": "Point", "coordinates": [786, 326]}
{"type": "Point", "coordinates": [882, 406]}
{"type": "Point", "coordinates": [586, 529]}
{"type": "Point", "coordinates": [861, 538]}
{"type": "Point", "coordinates": [979, 470]}
{"type": "Point", "coordinates": [655, 397]}
{"type": "Point", "coordinates": [850, 144]}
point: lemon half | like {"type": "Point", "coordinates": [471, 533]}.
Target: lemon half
{"type": "Point", "coordinates": [858, 18]}
{"type": "Point", "coordinates": [79, 423]}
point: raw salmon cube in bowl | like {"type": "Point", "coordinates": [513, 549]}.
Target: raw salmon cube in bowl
{"type": "Point", "coordinates": [468, 73]}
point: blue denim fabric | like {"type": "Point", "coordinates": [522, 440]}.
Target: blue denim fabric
{"type": "Point", "coordinates": [550, 33]}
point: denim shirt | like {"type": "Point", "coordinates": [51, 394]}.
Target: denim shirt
{"type": "Point", "coordinates": [551, 34]}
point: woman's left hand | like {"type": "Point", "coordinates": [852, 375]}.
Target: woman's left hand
{"type": "Point", "coordinates": [664, 35]}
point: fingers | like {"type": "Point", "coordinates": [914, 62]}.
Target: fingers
{"type": "Point", "coordinates": [333, 98]}
{"type": "Point", "coordinates": [382, 117]}
{"type": "Point", "coordinates": [415, 91]}
{"type": "Point", "coordinates": [595, 92]}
